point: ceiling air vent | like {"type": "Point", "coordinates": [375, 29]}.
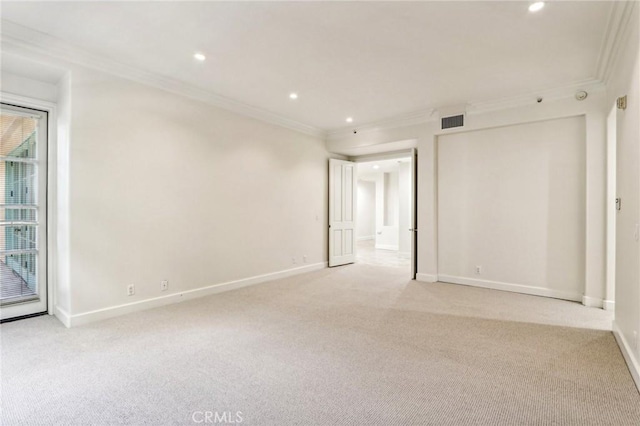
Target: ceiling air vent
{"type": "Point", "coordinates": [453, 121]}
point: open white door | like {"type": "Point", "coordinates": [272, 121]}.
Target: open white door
{"type": "Point", "coordinates": [414, 213]}
{"type": "Point", "coordinates": [342, 212]}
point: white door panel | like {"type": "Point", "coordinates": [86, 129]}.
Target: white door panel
{"type": "Point", "coordinates": [342, 209]}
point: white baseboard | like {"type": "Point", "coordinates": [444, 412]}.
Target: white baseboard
{"type": "Point", "coordinates": [114, 311]}
{"type": "Point", "coordinates": [386, 247]}
{"type": "Point", "coordinates": [609, 305]}
{"type": "Point", "coordinates": [632, 362]}
{"type": "Point", "coordinates": [426, 278]}
{"type": "Point", "coordinates": [62, 315]}
{"type": "Point", "coordinates": [514, 288]}
{"type": "Point", "coordinates": [367, 238]}
{"type": "Point", "coordinates": [592, 302]}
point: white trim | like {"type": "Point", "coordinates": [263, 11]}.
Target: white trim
{"type": "Point", "coordinates": [20, 160]}
{"type": "Point", "coordinates": [592, 302]}
{"type": "Point", "coordinates": [366, 238]}
{"type": "Point", "coordinates": [32, 115]}
{"type": "Point", "coordinates": [52, 186]}
{"type": "Point", "coordinates": [426, 278]}
{"type": "Point", "coordinates": [567, 91]}
{"type": "Point", "coordinates": [514, 288]}
{"type": "Point", "coordinates": [386, 247]}
{"type": "Point", "coordinates": [63, 316]}
{"type": "Point", "coordinates": [20, 37]}
{"type": "Point", "coordinates": [386, 155]}
{"type": "Point", "coordinates": [609, 305]}
{"type": "Point", "coordinates": [472, 107]}
{"type": "Point", "coordinates": [632, 362]}
{"type": "Point", "coordinates": [46, 252]}
{"type": "Point", "coordinates": [411, 119]}
{"type": "Point", "coordinates": [615, 33]}
{"type": "Point", "coordinates": [389, 149]}
{"type": "Point", "coordinates": [611, 212]}
{"type": "Point", "coordinates": [338, 156]}
{"type": "Point", "coordinates": [27, 101]}
{"type": "Point", "coordinates": [127, 308]}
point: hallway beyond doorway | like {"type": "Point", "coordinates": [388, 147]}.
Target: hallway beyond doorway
{"type": "Point", "coordinates": [368, 254]}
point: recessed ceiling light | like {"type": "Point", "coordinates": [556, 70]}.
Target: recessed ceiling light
{"type": "Point", "coordinates": [349, 120]}
{"type": "Point", "coordinates": [375, 166]}
{"type": "Point", "coordinates": [293, 95]}
{"type": "Point", "coordinates": [199, 56]}
{"type": "Point", "coordinates": [534, 7]}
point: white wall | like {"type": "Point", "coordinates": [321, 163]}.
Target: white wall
{"type": "Point", "coordinates": [392, 185]}
{"type": "Point", "coordinates": [390, 180]}
{"type": "Point", "coordinates": [594, 110]}
{"type": "Point", "coordinates": [387, 210]}
{"type": "Point", "coordinates": [154, 186]}
{"type": "Point", "coordinates": [366, 220]}
{"type": "Point", "coordinates": [624, 81]}
{"type": "Point", "coordinates": [512, 201]}
{"type": "Point", "coordinates": [164, 187]}
{"type": "Point", "coordinates": [404, 208]}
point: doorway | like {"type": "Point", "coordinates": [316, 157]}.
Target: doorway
{"type": "Point", "coordinates": [23, 216]}
{"type": "Point", "coordinates": [395, 233]}
{"type": "Point", "coordinates": [384, 214]}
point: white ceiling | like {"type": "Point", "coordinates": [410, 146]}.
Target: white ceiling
{"type": "Point", "coordinates": [368, 60]}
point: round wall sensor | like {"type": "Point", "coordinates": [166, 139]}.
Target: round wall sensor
{"type": "Point", "coordinates": [581, 95]}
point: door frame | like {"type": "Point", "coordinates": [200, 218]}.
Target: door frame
{"type": "Point", "coordinates": [390, 155]}
{"type": "Point", "coordinates": [612, 120]}
{"type": "Point", "coordinates": [414, 213]}
{"type": "Point", "coordinates": [51, 187]}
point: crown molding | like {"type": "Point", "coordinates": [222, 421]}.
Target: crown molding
{"type": "Point", "coordinates": [411, 119]}
{"type": "Point", "coordinates": [23, 38]}
{"type": "Point", "coordinates": [615, 33]}
{"type": "Point", "coordinates": [472, 107]}
{"type": "Point", "coordinates": [554, 94]}
{"type": "Point", "coordinates": [26, 39]}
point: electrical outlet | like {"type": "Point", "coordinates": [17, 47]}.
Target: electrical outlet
{"type": "Point", "coordinates": [131, 290]}
{"type": "Point", "coordinates": [164, 285]}
{"type": "Point", "coordinates": [304, 258]}
{"type": "Point", "coordinates": [478, 269]}
{"type": "Point", "coordinates": [293, 260]}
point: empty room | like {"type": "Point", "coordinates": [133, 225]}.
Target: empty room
{"type": "Point", "coordinates": [320, 212]}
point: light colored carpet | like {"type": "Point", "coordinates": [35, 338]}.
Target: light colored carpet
{"type": "Point", "coordinates": [356, 345]}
